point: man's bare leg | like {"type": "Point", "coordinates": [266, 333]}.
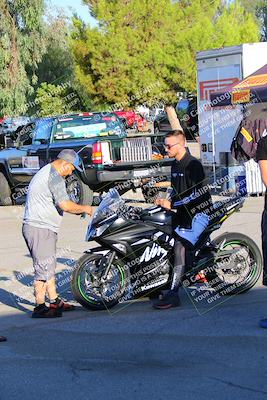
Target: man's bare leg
{"type": "Point", "coordinates": [55, 301]}
{"type": "Point", "coordinates": [41, 310]}
{"type": "Point", "coordinates": [39, 292]}
{"type": "Point", "coordinates": [51, 289]}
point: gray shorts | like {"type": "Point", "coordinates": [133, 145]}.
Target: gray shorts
{"type": "Point", "coordinates": [42, 247]}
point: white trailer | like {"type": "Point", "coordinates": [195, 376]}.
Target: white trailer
{"type": "Point", "coordinates": [217, 69]}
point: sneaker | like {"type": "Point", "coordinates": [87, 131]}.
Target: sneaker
{"type": "Point", "coordinates": [3, 339]}
{"type": "Point", "coordinates": [46, 312]}
{"type": "Point", "coordinates": [62, 306]}
{"type": "Point", "coordinates": [263, 323]}
{"type": "Point", "coordinates": [169, 300]}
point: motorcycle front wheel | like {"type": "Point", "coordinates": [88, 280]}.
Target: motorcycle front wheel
{"type": "Point", "coordinates": [92, 289]}
{"type": "Point", "coordinates": [237, 265]}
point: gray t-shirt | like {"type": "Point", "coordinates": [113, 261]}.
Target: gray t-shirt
{"type": "Point", "coordinates": [46, 191]}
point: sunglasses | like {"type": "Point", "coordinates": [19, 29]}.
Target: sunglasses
{"type": "Point", "coordinates": [169, 146]}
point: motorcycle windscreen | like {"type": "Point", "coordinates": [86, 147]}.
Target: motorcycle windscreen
{"type": "Point", "coordinates": [110, 204]}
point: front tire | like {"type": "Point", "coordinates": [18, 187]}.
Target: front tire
{"type": "Point", "coordinates": [88, 288]}
{"type": "Point", "coordinates": [240, 271]}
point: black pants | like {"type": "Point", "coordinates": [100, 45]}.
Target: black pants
{"type": "Point", "coordinates": [264, 245]}
{"type": "Point", "coordinates": [179, 266]}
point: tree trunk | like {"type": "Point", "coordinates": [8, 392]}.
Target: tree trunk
{"type": "Point", "coordinates": [173, 119]}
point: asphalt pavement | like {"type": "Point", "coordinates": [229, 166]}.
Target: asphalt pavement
{"type": "Point", "coordinates": [132, 351]}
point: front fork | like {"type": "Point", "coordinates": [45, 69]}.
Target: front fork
{"type": "Point", "coordinates": [105, 265]}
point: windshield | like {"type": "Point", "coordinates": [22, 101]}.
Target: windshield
{"type": "Point", "coordinates": [110, 204]}
{"type": "Point", "coordinates": [84, 127]}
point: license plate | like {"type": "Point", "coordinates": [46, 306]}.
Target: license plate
{"type": "Point", "coordinates": [140, 174]}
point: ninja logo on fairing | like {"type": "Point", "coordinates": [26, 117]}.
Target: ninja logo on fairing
{"type": "Point", "coordinates": [151, 252]}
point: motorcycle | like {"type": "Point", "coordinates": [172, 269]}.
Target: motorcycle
{"type": "Point", "coordinates": [134, 255]}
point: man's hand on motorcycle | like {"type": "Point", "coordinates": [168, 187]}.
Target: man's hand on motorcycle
{"type": "Point", "coordinates": [163, 203]}
{"type": "Point", "coordinates": [88, 210]}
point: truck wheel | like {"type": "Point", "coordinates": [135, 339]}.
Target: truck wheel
{"type": "Point", "coordinates": [78, 191]}
{"type": "Point", "coordinates": [5, 192]}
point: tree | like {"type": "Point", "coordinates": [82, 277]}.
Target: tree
{"type": "Point", "coordinates": [259, 9]}
{"type": "Point", "coordinates": [21, 49]}
{"type": "Point", "coordinates": [56, 99]}
{"type": "Point", "coordinates": [56, 76]}
{"type": "Point", "coordinates": [57, 64]}
{"type": "Point", "coordinates": [144, 51]}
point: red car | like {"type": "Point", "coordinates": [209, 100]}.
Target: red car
{"type": "Point", "coordinates": [132, 120]}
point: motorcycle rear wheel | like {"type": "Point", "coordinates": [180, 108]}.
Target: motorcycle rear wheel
{"type": "Point", "coordinates": [90, 290]}
{"type": "Point", "coordinates": [242, 269]}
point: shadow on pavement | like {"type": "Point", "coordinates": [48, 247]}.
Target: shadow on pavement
{"type": "Point", "coordinates": [11, 300]}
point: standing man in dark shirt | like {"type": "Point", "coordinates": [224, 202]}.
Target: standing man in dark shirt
{"type": "Point", "coordinates": [261, 156]}
{"type": "Point", "coordinates": [187, 179]}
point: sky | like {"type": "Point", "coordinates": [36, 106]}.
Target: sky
{"type": "Point", "coordinates": [71, 6]}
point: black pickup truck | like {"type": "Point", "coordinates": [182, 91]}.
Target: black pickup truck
{"type": "Point", "coordinates": [110, 157]}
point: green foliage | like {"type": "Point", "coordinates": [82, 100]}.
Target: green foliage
{"type": "Point", "coordinates": [144, 51]}
{"type": "Point", "coordinates": [56, 99]}
{"type": "Point", "coordinates": [259, 9]}
{"type": "Point", "coordinates": [210, 26]}
{"type": "Point", "coordinates": [57, 69]}
{"type": "Point", "coordinates": [21, 49]}
{"type": "Point", "coordinates": [57, 62]}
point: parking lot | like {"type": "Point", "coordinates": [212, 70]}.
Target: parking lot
{"type": "Point", "coordinates": [181, 353]}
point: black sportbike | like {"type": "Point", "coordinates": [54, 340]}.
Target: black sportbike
{"type": "Point", "coordinates": [134, 256]}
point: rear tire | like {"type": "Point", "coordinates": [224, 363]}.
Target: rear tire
{"type": "Point", "coordinates": [5, 191]}
{"type": "Point", "coordinates": [247, 262]}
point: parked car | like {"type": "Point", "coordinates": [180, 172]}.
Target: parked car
{"type": "Point", "coordinates": [9, 129]}
{"type": "Point", "coordinates": [110, 158]}
{"type": "Point", "coordinates": [186, 110]}
{"type": "Point", "coordinates": [154, 113]}
{"type": "Point", "coordinates": [133, 120]}
{"type": "Point", "coordinates": [10, 125]}
{"type": "Point", "coordinates": [2, 137]}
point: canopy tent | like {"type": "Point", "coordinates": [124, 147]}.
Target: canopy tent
{"type": "Point", "coordinates": [251, 89]}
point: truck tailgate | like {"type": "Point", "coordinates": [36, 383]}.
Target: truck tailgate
{"type": "Point", "coordinates": [136, 149]}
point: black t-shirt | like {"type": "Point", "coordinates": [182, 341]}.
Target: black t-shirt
{"type": "Point", "coordinates": [188, 177]}
{"type": "Point", "coordinates": [261, 154]}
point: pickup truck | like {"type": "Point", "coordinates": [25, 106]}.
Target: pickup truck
{"type": "Point", "coordinates": [110, 157]}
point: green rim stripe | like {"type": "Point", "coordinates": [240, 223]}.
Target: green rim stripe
{"type": "Point", "coordinates": [86, 297]}
{"type": "Point", "coordinates": [254, 270]}
{"type": "Point", "coordinates": [82, 293]}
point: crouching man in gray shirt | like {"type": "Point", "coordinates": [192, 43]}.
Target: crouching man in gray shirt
{"type": "Point", "coordinates": [47, 199]}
